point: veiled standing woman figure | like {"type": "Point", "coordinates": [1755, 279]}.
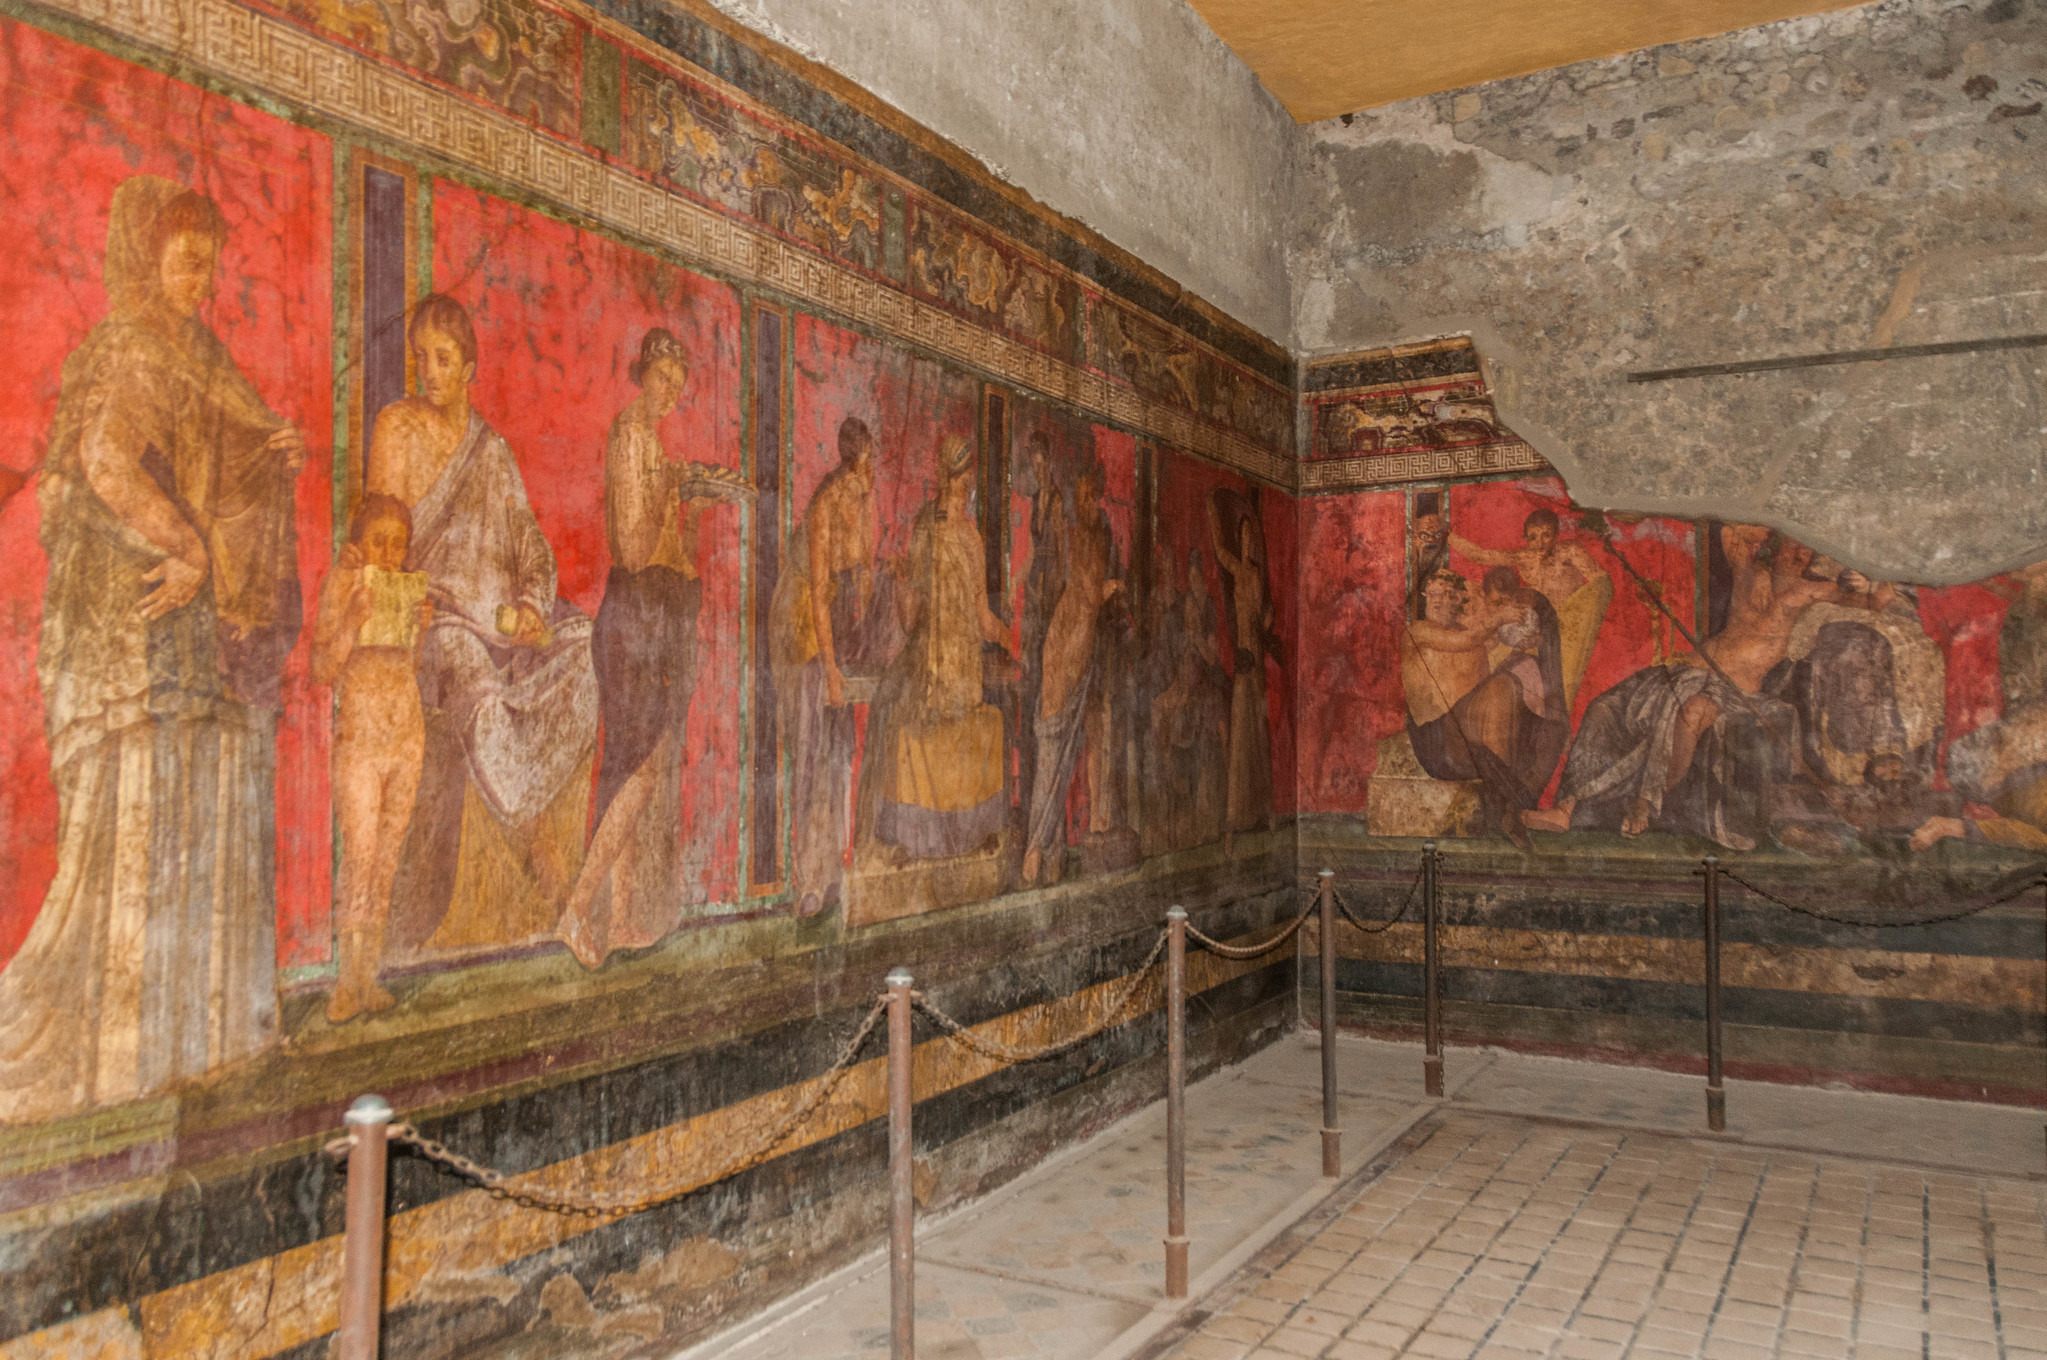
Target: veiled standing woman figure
{"type": "Point", "coordinates": [172, 601]}
{"type": "Point", "coordinates": [1238, 537]}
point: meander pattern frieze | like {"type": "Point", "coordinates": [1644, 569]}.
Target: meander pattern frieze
{"type": "Point", "coordinates": [272, 55]}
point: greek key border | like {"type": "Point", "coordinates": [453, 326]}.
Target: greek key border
{"type": "Point", "coordinates": [273, 56]}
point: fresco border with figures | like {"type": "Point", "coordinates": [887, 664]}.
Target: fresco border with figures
{"type": "Point", "coordinates": [1410, 413]}
{"type": "Point", "coordinates": [282, 60]}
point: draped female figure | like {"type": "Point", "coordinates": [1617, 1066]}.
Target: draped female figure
{"type": "Point", "coordinates": [172, 601]}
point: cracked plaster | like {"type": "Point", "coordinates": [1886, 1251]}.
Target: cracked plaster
{"type": "Point", "coordinates": [1837, 182]}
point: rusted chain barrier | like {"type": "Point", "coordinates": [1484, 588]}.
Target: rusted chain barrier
{"type": "Point", "coordinates": [502, 1186]}
{"type": "Point", "coordinates": [1973, 909]}
{"type": "Point", "coordinates": [1252, 951]}
{"type": "Point", "coordinates": [1006, 1053]}
{"type": "Point", "coordinates": [1711, 870]}
{"type": "Point", "coordinates": [371, 1133]}
{"type": "Point", "coordinates": [1380, 927]}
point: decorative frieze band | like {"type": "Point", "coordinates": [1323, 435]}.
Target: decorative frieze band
{"type": "Point", "coordinates": [272, 55]}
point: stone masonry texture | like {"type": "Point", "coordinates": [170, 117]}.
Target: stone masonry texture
{"type": "Point", "coordinates": [1831, 183]}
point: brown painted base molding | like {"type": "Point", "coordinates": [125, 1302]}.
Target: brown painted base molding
{"type": "Point", "coordinates": [1950, 1070]}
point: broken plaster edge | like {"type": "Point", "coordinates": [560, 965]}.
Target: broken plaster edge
{"type": "Point", "coordinates": [1590, 491]}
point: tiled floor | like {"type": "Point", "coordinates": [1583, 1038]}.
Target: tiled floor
{"type": "Point", "coordinates": [1548, 1208]}
{"type": "Point", "coordinates": [1508, 1238]}
{"type": "Point", "coordinates": [961, 1315]}
{"type": "Point", "coordinates": [1253, 1147]}
{"type": "Point", "coordinates": [1069, 1257]}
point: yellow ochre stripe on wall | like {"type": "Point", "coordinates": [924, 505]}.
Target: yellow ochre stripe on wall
{"type": "Point", "coordinates": [271, 1305]}
{"type": "Point", "coordinates": [1961, 980]}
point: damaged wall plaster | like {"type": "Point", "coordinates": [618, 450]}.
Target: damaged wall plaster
{"type": "Point", "coordinates": [1851, 180]}
{"type": "Point", "coordinates": [1128, 115]}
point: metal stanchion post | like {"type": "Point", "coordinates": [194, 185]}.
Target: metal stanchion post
{"type": "Point", "coordinates": [1716, 1094]}
{"type": "Point", "coordinates": [1332, 1136]}
{"type": "Point", "coordinates": [1176, 1103]}
{"type": "Point", "coordinates": [902, 1285]}
{"type": "Point", "coordinates": [1432, 988]}
{"type": "Point", "coordinates": [362, 1249]}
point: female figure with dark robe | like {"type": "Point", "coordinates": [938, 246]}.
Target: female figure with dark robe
{"type": "Point", "coordinates": [645, 647]}
{"type": "Point", "coordinates": [1240, 552]}
{"type": "Point", "coordinates": [172, 601]}
{"type": "Point", "coordinates": [1069, 679]}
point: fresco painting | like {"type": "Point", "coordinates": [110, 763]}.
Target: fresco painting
{"type": "Point", "coordinates": [1171, 368]}
{"type": "Point", "coordinates": [1218, 540]}
{"type": "Point", "coordinates": [642, 359]}
{"type": "Point", "coordinates": [454, 578]}
{"type": "Point", "coordinates": [292, 720]}
{"type": "Point", "coordinates": [524, 58]}
{"type": "Point", "coordinates": [175, 430]}
{"type": "Point", "coordinates": [1079, 642]}
{"type": "Point", "coordinates": [1410, 413]}
{"type": "Point", "coordinates": [1528, 668]}
{"type": "Point", "coordinates": [701, 141]}
{"type": "Point", "coordinates": [1005, 288]}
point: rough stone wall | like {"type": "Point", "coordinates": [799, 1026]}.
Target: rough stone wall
{"type": "Point", "coordinates": [1876, 176]}
{"type": "Point", "coordinates": [1128, 115]}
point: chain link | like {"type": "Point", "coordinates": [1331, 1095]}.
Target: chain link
{"type": "Point", "coordinates": [1252, 951]}
{"type": "Point", "coordinates": [1378, 927]}
{"type": "Point", "coordinates": [504, 1187]}
{"type": "Point", "coordinates": [1817, 914]}
{"type": "Point", "coordinates": [1005, 1053]}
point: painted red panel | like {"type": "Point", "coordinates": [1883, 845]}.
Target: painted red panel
{"type": "Point", "coordinates": [1353, 593]}
{"type": "Point", "coordinates": [1352, 600]}
{"type": "Point", "coordinates": [1185, 486]}
{"type": "Point", "coordinates": [76, 125]}
{"type": "Point", "coordinates": [1965, 621]}
{"type": "Point", "coordinates": [1491, 514]}
{"type": "Point", "coordinates": [908, 404]}
{"type": "Point", "coordinates": [1282, 551]}
{"type": "Point", "coordinates": [559, 315]}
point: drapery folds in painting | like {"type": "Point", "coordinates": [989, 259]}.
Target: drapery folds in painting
{"type": "Point", "coordinates": [936, 776]}
{"type": "Point", "coordinates": [836, 632]}
{"type": "Point", "coordinates": [646, 649]}
{"type": "Point", "coordinates": [1238, 537]}
{"type": "Point", "coordinates": [1071, 716]}
{"type": "Point", "coordinates": [153, 957]}
{"type": "Point", "coordinates": [516, 723]}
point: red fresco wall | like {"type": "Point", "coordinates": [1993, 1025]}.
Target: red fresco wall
{"type": "Point", "coordinates": [1282, 553]}
{"type": "Point", "coordinates": [1965, 621]}
{"type": "Point", "coordinates": [450, 1005]}
{"type": "Point", "coordinates": [1491, 515]}
{"type": "Point", "coordinates": [1184, 487]}
{"type": "Point", "coordinates": [909, 405]}
{"type": "Point", "coordinates": [76, 125]}
{"type": "Point", "coordinates": [1352, 592]}
{"type": "Point", "coordinates": [1353, 597]}
{"type": "Point", "coordinates": [1352, 589]}
{"type": "Point", "coordinates": [561, 311]}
